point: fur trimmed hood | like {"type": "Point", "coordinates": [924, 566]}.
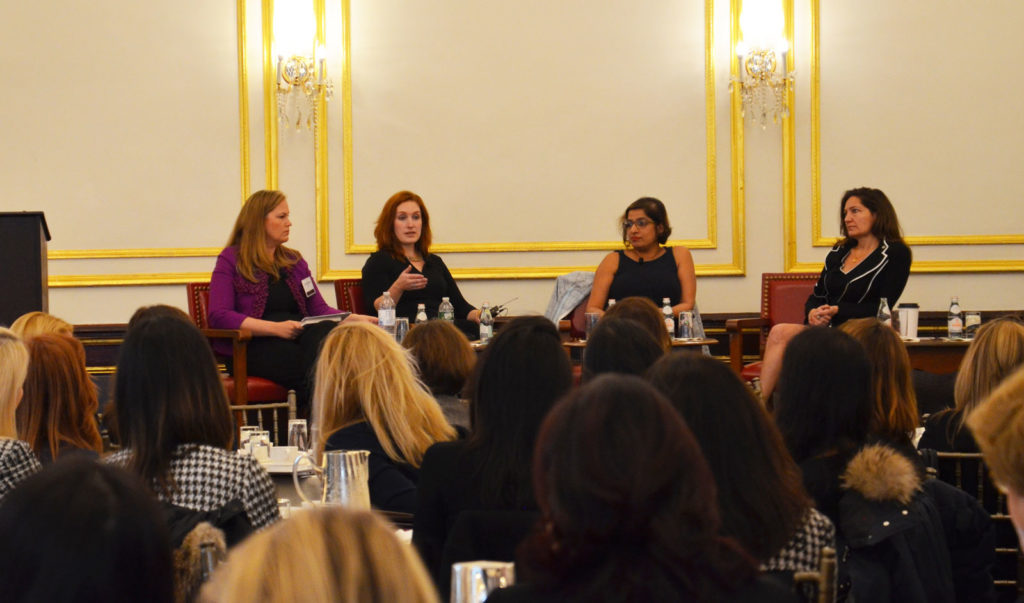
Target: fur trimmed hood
{"type": "Point", "coordinates": [880, 473]}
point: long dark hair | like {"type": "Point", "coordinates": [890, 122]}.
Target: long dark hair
{"type": "Point", "coordinates": [886, 226]}
{"type": "Point", "coordinates": [823, 401]}
{"type": "Point", "coordinates": [167, 392]}
{"type": "Point", "coordinates": [760, 490]}
{"type": "Point", "coordinates": [84, 531]}
{"type": "Point", "coordinates": [517, 380]}
{"type": "Point", "coordinates": [620, 345]}
{"type": "Point", "coordinates": [628, 502]}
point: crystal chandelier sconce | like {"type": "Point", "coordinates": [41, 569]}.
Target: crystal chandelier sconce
{"type": "Point", "coordinates": [763, 87]}
{"type": "Point", "coordinates": [300, 82]}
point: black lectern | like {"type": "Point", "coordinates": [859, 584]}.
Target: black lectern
{"type": "Point", "coordinates": [23, 237]}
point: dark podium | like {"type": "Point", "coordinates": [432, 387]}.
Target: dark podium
{"type": "Point", "coordinates": [23, 237]}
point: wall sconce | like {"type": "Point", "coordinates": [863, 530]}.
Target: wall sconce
{"type": "Point", "coordinates": [763, 79]}
{"type": "Point", "coordinates": [301, 65]}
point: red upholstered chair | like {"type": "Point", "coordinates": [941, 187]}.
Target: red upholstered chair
{"type": "Point", "coordinates": [244, 391]}
{"type": "Point", "coordinates": [783, 295]}
{"type": "Point", "coordinates": [349, 292]}
{"type": "Point", "coordinates": [578, 320]}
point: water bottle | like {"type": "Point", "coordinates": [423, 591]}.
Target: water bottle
{"type": "Point", "coordinates": [955, 319]}
{"type": "Point", "coordinates": [884, 316]}
{"type": "Point", "coordinates": [386, 314]}
{"type": "Point", "coordinates": [611, 302]}
{"type": "Point", "coordinates": [666, 311]}
{"type": "Point", "coordinates": [421, 314]}
{"type": "Point", "coordinates": [446, 311]}
{"type": "Point", "coordinates": [486, 324]}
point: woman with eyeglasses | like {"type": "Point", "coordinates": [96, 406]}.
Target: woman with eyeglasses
{"type": "Point", "coordinates": [646, 268]}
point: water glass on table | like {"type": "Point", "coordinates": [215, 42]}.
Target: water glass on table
{"type": "Point", "coordinates": [472, 581]}
{"type": "Point", "coordinates": [401, 329]}
{"type": "Point", "coordinates": [298, 434]}
{"type": "Point", "coordinates": [245, 433]}
{"type": "Point", "coordinates": [590, 321]}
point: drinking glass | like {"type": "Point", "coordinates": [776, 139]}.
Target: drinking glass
{"type": "Point", "coordinates": [590, 320]}
{"type": "Point", "coordinates": [244, 434]}
{"type": "Point", "coordinates": [401, 329]}
{"type": "Point", "coordinates": [259, 445]}
{"type": "Point", "coordinates": [972, 321]}
{"type": "Point", "coordinates": [298, 434]}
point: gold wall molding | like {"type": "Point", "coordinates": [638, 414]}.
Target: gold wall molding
{"type": "Point", "coordinates": [105, 280]}
{"type": "Point", "coordinates": [789, 180]}
{"type": "Point", "coordinates": [737, 267]}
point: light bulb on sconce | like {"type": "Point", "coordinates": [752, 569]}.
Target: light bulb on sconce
{"type": "Point", "coordinates": [301, 78]}
{"type": "Point", "coordinates": [763, 81]}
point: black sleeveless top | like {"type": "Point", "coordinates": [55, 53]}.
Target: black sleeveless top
{"type": "Point", "coordinates": [655, 280]}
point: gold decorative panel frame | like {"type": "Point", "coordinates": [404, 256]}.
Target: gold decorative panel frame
{"type": "Point", "coordinates": [737, 267]}
{"type": "Point", "coordinates": [792, 264]}
{"type": "Point", "coordinates": [166, 278]}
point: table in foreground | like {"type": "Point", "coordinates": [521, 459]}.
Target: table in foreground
{"type": "Point", "coordinates": [937, 355]}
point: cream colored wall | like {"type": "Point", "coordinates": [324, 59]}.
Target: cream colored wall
{"type": "Point", "coordinates": [527, 125]}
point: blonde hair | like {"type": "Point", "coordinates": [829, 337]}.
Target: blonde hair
{"type": "Point", "coordinates": [250, 235]}
{"type": "Point", "coordinates": [325, 554]}
{"type": "Point", "coordinates": [31, 324]}
{"type": "Point", "coordinates": [894, 403]}
{"type": "Point", "coordinates": [364, 375]}
{"type": "Point", "coordinates": [13, 368]}
{"type": "Point", "coordinates": [997, 350]}
{"type": "Point", "coordinates": [998, 427]}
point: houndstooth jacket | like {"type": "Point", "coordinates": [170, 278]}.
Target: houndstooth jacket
{"type": "Point", "coordinates": [207, 478]}
{"type": "Point", "coordinates": [17, 461]}
{"type": "Point", "coordinates": [803, 551]}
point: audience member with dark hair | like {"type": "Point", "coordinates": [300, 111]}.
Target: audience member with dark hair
{"type": "Point", "coordinates": [523, 371]}
{"type": "Point", "coordinates": [620, 345]}
{"type": "Point", "coordinates": [445, 360]}
{"type": "Point", "coordinates": [16, 458]}
{"type": "Point", "coordinates": [83, 531]}
{"type": "Point", "coordinates": [894, 414]}
{"type": "Point", "coordinates": [904, 537]}
{"type": "Point", "coordinates": [643, 311]}
{"type": "Point", "coordinates": [760, 494]}
{"type": "Point", "coordinates": [57, 415]}
{"type": "Point", "coordinates": [629, 507]}
{"type": "Point", "coordinates": [368, 397]}
{"type": "Point", "coordinates": [172, 416]}
{"type": "Point", "coordinates": [996, 352]}
{"type": "Point", "coordinates": [325, 554]}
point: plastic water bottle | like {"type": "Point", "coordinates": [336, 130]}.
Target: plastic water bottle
{"type": "Point", "coordinates": [421, 314]}
{"type": "Point", "coordinates": [386, 314]}
{"type": "Point", "coordinates": [486, 324]}
{"type": "Point", "coordinates": [884, 315]}
{"type": "Point", "coordinates": [446, 311]}
{"type": "Point", "coordinates": [666, 311]}
{"type": "Point", "coordinates": [955, 319]}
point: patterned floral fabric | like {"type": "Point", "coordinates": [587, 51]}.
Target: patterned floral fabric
{"type": "Point", "coordinates": [17, 462]}
{"type": "Point", "coordinates": [803, 552]}
{"type": "Point", "coordinates": [207, 478]}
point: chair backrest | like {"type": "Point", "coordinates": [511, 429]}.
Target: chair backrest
{"type": "Point", "coordinates": [349, 292]}
{"type": "Point", "coordinates": [578, 320]}
{"type": "Point", "coordinates": [783, 295]}
{"type": "Point", "coordinates": [199, 303]}
{"type": "Point", "coordinates": [819, 586]}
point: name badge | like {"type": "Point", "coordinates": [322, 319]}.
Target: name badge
{"type": "Point", "coordinates": [307, 286]}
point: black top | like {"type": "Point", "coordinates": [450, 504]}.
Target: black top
{"type": "Point", "coordinates": [392, 485]}
{"type": "Point", "coordinates": [655, 280]}
{"type": "Point", "coordinates": [281, 304]}
{"type": "Point", "coordinates": [446, 488]}
{"type": "Point", "coordinates": [884, 273]}
{"type": "Point", "coordinates": [763, 589]}
{"type": "Point", "coordinates": [381, 270]}
{"type": "Point", "coordinates": [940, 434]}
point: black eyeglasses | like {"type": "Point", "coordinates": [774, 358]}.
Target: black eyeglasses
{"type": "Point", "coordinates": [640, 223]}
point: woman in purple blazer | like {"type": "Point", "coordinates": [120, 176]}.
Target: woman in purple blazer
{"type": "Point", "coordinates": [264, 287]}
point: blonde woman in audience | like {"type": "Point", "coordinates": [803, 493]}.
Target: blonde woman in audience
{"type": "Point", "coordinates": [445, 360]}
{"type": "Point", "coordinates": [16, 459]}
{"type": "Point", "coordinates": [998, 427]}
{"type": "Point", "coordinates": [367, 397]}
{"type": "Point", "coordinates": [996, 352]}
{"type": "Point", "coordinates": [894, 414]}
{"type": "Point", "coordinates": [30, 324]}
{"type": "Point", "coordinates": [323, 555]}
